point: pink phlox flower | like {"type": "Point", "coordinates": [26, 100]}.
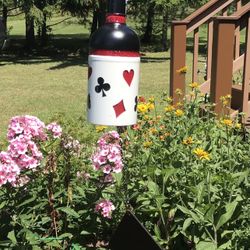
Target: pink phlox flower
{"type": "Point", "coordinates": [34, 150]}
{"type": "Point", "coordinates": [5, 157]}
{"type": "Point", "coordinates": [18, 146]}
{"type": "Point", "coordinates": [105, 207]}
{"type": "Point", "coordinates": [27, 162]}
{"type": "Point", "coordinates": [9, 170]}
{"type": "Point", "coordinates": [21, 181]}
{"type": "Point", "coordinates": [30, 126]}
{"type": "Point", "coordinates": [82, 175]}
{"type": "Point", "coordinates": [102, 160]}
{"type": "Point", "coordinates": [115, 134]}
{"type": "Point", "coordinates": [104, 151]}
{"type": "Point", "coordinates": [110, 137]}
{"type": "Point", "coordinates": [108, 156]}
{"type": "Point", "coordinates": [55, 129]}
{"type": "Point", "coordinates": [108, 178]}
{"type": "Point", "coordinates": [107, 169]}
{"type": "Point", "coordinates": [95, 162]}
{"type": "Point", "coordinates": [114, 157]}
{"type": "Point", "coordinates": [24, 152]}
{"type": "Point", "coordinates": [115, 149]}
{"type": "Point", "coordinates": [118, 167]}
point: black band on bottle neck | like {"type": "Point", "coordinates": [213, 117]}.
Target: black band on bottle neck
{"type": "Point", "coordinates": [117, 6]}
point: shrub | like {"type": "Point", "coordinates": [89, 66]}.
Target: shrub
{"type": "Point", "coordinates": [184, 175]}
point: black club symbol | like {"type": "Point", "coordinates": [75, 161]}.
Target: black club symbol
{"type": "Point", "coordinates": [102, 87]}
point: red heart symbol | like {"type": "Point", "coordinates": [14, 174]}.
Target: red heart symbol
{"type": "Point", "coordinates": [89, 72]}
{"type": "Point", "coordinates": [128, 76]}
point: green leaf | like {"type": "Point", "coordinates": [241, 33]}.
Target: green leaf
{"type": "Point", "coordinates": [118, 178]}
{"type": "Point", "coordinates": [81, 191]}
{"type": "Point", "coordinates": [224, 218]}
{"type": "Point", "coordinates": [200, 191]}
{"type": "Point", "coordinates": [31, 237]}
{"type": "Point", "coordinates": [85, 232]}
{"type": "Point", "coordinates": [2, 205]}
{"type": "Point", "coordinates": [69, 211]}
{"type": "Point", "coordinates": [53, 243]}
{"type": "Point", "coordinates": [169, 172]}
{"type": "Point", "coordinates": [36, 248]}
{"type": "Point", "coordinates": [27, 201]}
{"type": "Point", "coordinates": [153, 187]}
{"type": "Point", "coordinates": [157, 231]}
{"type": "Point", "coordinates": [186, 224]}
{"type": "Point", "coordinates": [209, 215]}
{"type": "Point", "coordinates": [12, 237]}
{"type": "Point", "coordinates": [65, 235]}
{"type": "Point", "coordinates": [189, 212]}
{"type": "Point", "coordinates": [227, 245]}
{"type": "Point", "coordinates": [206, 245]}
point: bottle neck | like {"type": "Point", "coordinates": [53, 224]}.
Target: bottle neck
{"type": "Point", "coordinates": [114, 18]}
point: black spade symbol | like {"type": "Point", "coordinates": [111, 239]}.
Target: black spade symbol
{"type": "Point", "coordinates": [136, 103]}
{"type": "Point", "coordinates": [102, 87]}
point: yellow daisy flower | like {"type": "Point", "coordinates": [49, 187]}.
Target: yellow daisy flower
{"type": "Point", "coordinates": [188, 141]}
{"type": "Point", "coordinates": [202, 154]}
{"type": "Point", "coordinates": [100, 128]}
{"type": "Point", "coordinates": [147, 144]}
{"type": "Point", "coordinates": [169, 108]}
{"type": "Point", "coordinates": [227, 122]}
{"type": "Point", "coordinates": [142, 108]}
{"type": "Point", "coordinates": [179, 112]}
{"type": "Point", "coordinates": [182, 70]}
{"type": "Point", "coordinates": [194, 85]}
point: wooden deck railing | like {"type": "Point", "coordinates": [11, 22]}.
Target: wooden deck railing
{"type": "Point", "coordinates": [224, 63]}
{"type": "Point", "coordinates": [179, 32]}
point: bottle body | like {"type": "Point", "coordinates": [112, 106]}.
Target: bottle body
{"type": "Point", "coordinates": [114, 65]}
{"type": "Point", "coordinates": [113, 82]}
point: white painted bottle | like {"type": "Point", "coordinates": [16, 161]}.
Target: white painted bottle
{"type": "Point", "coordinates": [114, 66]}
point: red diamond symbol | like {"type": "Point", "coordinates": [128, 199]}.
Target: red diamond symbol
{"type": "Point", "coordinates": [119, 108]}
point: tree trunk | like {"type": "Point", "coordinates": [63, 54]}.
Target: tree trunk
{"type": "Point", "coordinates": [99, 16]}
{"type": "Point", "coordinates": [164, 35]}
{"type": "Point", "coordinates": [44, 36]}
{"type": "Point", "coordinates": [149, 27]}
{"type": "Point", "coordinates": [30, 32]}
{"type": "Point", "coordinates": [5, 16]}
{"type": "Point", "coordinates": [102, 13]}
{"type": "Point", "coordinates": [94, 22]}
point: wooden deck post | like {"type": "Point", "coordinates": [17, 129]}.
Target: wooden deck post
{"type": "Point", "coordinates": [209, 47]}
{"type": "Point", "coordinates": [178, 58]}
{"type": "Point", "coordinates": [222, 60]}
{"type": "Point", "coordinates": [246, 78]}
{"type": "Point", "coordinates": [195, 55]}
{"type": "Point", "coordinates": [237, 34]}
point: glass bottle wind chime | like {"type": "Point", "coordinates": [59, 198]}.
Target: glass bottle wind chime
{"type": "Point", "coordinates": [113, 73]}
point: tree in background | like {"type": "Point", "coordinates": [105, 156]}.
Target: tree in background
{"type": "Point", "coordinates": [99, 14]}
{"type": "Point", "coordinates": [153, 17]}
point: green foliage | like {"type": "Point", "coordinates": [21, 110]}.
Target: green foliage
{"type": "Point", "coordinates": [185, 176]}
{"type": "Point", "coordinates": [189, 177]}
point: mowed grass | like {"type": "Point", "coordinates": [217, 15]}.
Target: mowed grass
{"type": "Point", "coordinates": [45, 86]}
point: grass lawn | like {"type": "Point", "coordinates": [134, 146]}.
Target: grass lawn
{"type": "Point", "coordinates": [47, 85]}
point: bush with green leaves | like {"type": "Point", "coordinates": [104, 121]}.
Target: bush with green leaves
{"type": "Point", "coordinates": [184, 172]}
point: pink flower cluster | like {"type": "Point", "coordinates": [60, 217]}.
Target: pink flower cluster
{"type": "Point", "coordinates": [105, 207]}
{"type": "Point", "coordinates": [9, 170]}
{"type": "Point", "coordinates": [28, 126]}
{"type": "Point", "coordinates": [23, 153]}
{"type": "Point", "coordinates": [55, 129]}
{"type": "Point", "coordinates": [108, 156]}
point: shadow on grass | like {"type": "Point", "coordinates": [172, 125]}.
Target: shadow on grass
{"type": "Point", "coordinates": [66, 50]}
{"type": "Point", "coordinates": [154, 59]}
